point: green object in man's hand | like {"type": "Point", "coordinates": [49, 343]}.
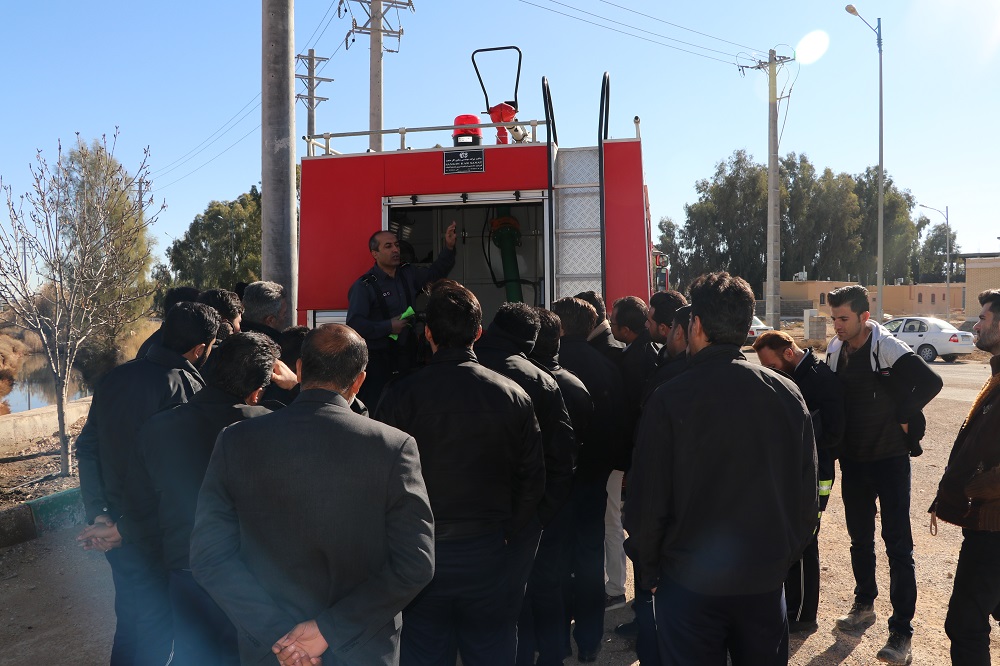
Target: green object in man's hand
{"type": "Point", "coordinates": [408, 312]}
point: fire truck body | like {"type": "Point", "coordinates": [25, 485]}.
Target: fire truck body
{"type": "Point", "coordinates": [576, 225]}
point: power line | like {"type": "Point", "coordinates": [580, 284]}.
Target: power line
{"type": "Point", "coordinates": [169, 166]}
{"type": "Point", "coordinates": [222, 131]}
{"type": "Point", "coordinates": [703, 34]}
{"type": "Point", "coordinates": [628, 34]}
{"type": "Point", "coordinates": [163, 187]}
{"type": "Point", "coordinates": [165, 171]}
{"type": "Point", "coordinates": [632, 27]}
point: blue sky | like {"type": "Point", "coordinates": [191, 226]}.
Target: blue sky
{"type": "Point", "coordinates": [183, 78]}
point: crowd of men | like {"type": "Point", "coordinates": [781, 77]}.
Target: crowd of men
{"type": "Point", "coordinates": [253, 510]}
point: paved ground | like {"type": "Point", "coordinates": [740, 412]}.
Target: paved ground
{"type": "Point", "coordinates": [57, 599]}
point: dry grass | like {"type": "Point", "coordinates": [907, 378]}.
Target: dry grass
{"type": "Point", "coordinates": [133, 338]}
{"type": "Point", "coordinates": [12, 351]}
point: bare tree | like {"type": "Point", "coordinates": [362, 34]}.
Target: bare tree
{"type": "Point", "coordinates": [68, 259]}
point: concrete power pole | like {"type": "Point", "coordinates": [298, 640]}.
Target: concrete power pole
{"type": "Point", "coordinates": [772, 295]}
{"type": "Point", "coordinates": [279, 224]}
{"type": "Point", "coordinates": [310, 98]}
{"type": "Point", "coordinates": [376, 29]}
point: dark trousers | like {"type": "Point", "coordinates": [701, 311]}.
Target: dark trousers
{"type": "Point", "coordinates": [588, 503]}
{"type": "Point", "coordinates": [202, 632]}
{"type": "Point", "coordinates": [700, 629]}
{"type": "Point", "coordinates": [647, 646]}
{"type": "Point", "coordinates": [143, 630]}
{"type": "Point", "coordinates": [802, 584]}
{"type": "Point", "coordinates": [888, 481]}
{"type": "Point", "coordinates": [464, 610]}
{"type": "Point", "coordinates": [377, 374]}
{"type": "Point", "coordinates": [540, 626]}
{"type": "Point", "coordinates": [976, 594]}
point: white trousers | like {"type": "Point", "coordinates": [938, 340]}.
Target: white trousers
{"type": "Point", "coordinates": [614, 537]}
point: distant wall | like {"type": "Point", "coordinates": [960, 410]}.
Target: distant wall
{"type": "Point", "coordinates": [789, 308]}
{"type": "Point", "coordinates": [17, 430]}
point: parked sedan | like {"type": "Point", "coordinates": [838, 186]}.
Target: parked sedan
{"type": "Point", "coordinates": [930, 337]}
{"type": "Point", "coordinates": [756, 328]}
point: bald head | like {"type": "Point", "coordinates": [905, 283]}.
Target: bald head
{"type": "Point", "coordinates": [333, 358]}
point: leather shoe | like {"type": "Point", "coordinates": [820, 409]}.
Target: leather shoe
{"type": "Point", "coordinates": [627, 628]}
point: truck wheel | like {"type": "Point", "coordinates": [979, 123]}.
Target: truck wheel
{"type": "Point", "coordinates": [949, 358]}
{"type": "Point", "coordinates": [927, 353]}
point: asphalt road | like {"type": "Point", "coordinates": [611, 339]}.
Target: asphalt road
{"type": "Point", "coordinates": [58, 600]}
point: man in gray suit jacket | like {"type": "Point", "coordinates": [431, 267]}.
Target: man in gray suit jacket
{"type": "Point", "coordinates": [313, 528]}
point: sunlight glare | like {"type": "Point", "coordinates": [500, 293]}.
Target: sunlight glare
{"type": "Point", "coordinates": [812, 47]}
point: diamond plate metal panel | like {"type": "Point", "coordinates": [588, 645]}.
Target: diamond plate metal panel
{"type": "Point", "coordinates": [572, 287]}
{"type": "Point", "coordinates": [577, 166]}
{"type": "Point", "coordinates": [578, 255]}
{"type": "Point", "coordinates": [578, 208]}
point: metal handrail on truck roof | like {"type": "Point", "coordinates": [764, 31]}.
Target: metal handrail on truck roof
{"type": "Point", "coordinates": [322, 141]}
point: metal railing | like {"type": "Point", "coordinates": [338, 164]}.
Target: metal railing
{"type": "Point", "coordinates": [323, 141]}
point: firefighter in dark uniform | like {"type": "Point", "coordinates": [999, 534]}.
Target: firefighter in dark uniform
{"type": "Point", "coordinates": [378, 298]}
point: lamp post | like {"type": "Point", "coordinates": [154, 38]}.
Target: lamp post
{"type": "Point", "coordinates": [881, 168]}
{"type": "Point", "coordinates": [947, 267]}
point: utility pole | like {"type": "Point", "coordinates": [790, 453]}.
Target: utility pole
{"type": "Point", "coordinates": [772, 291]}
{"type": "Point", "coordinates": [279, 229]}
{"type": "Point", "coordinates": [376, 27]}
{"type": "Point", "coordinates": [310, 98]}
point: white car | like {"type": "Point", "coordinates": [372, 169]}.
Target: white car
{"type": "Point", "coordinates": [756, 328]}
{"type": "Point", "coordinates": [930, 337]}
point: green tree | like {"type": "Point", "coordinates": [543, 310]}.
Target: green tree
{"type": "Point", "coordinates": [799, 246]}
{"type": "Point", "coordinates": [899, 230]}
{"type": "Point", "coordinates": [670, 247]}
{"type": "Point", "coordinates": [98, 195]}
{"type": "Point", "coordinates": [934, 251]}
{"type": "Point", "coordinates": [222, 246]}
{"type": "Point", "coordinates": [726, 228]}
{"type": "Point", "coordinates": [69, 262]}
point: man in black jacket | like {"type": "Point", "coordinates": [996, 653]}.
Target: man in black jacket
{"type": "Point", "coordinates": [123, 400]}
{"type": "Point", "coordinates": [600, 336]}
{"type": "Point", "coordinates": [542, 627]}
{"type": "Point", "coordinates": [482, 459]}
{"type": "Point", "coordinates": [313, 528]}
{"type": "Point", "coordinates": [886, 386]}
{"type": "Point", "coordinates": [725, 501]}
{"type": "Point", "coordinates": [166, 474]}
{"type": "Point", "coordinates": [672, 359]}
{"type": "Point", "coordinates": [503, 348]}
{"type": "Point", "coordinates": [824, 396]}
{"type": "Point", "coordinates": [602, 379]}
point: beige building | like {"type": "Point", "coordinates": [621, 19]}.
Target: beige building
{"type": "Point", "coordinates": [906, 299]}
{"type": "Point", "coordinates": [982, 272]}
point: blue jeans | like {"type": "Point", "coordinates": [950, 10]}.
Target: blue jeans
{"type": "Point", "coordinates": [143, 629]}
{"type": "Point", "coordinates": [540, 627]}
{"type": "Point", "coordinates": [888, 481]}
{"type": "Point", "coordinates": [465, 608]}
{"type": "Point", "coordinates": [588, 502]}
{"type": "Point", "coordinates": [203, 635]}
{"type": "Point", "coordinates": [700, 629]}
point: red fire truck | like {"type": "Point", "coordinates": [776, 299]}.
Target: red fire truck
{"type": "Point", "coordinates": [536, 221]}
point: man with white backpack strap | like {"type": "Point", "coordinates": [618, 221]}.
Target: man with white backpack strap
{"type": "Point", "coordinates": [886, 386]}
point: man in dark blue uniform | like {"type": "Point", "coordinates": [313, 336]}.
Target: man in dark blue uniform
{"type": "Point", "coordinates": [378, 298]}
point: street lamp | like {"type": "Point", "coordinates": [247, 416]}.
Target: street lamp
{"type": "Point", "coordinates": [947, 273]}
{"type": "Point", "coordinates": [881, 168]}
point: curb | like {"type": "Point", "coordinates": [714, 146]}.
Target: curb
{"type": "Point", "coordinates": [32, 518]}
